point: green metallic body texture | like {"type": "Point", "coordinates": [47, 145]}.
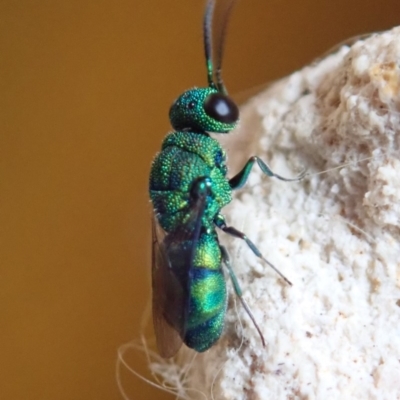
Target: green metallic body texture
{"type": "Point", "coordinates": [206, 295]}
{"type": "Point", "coordinates": [188, 188]}
{"type": "Point", "coordinates": [188, 111]}
{"type": "Point", "coordinates": [185, 157]}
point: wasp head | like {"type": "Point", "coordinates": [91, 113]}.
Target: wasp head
{"type": "Point", "coordinates": [204, 110]}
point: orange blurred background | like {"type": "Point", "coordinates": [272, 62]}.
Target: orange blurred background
{"type": "Point", "coordinates": [85, 92]}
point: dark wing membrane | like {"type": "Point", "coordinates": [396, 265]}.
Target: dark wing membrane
{"type": "Point", "coordinates": [183, 244]}
{"type": "Point", "coordinates": [163, 282]}
{"type": "Point", "coordinates": [172, 260]}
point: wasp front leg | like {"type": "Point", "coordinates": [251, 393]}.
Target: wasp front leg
{"type": "Point", "coordinates": [240, 178]}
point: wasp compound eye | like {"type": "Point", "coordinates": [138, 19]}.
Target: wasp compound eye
{"type": "Point", "coordinates": [221, 108]}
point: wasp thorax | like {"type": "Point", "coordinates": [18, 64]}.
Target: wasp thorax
{"type": "Point", "coordinates": [204, 110]}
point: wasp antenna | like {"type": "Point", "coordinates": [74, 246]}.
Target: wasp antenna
{"type": "Point", "coordinates": [221, 45]}
{"type": "Point", "coordinates": [207, 31]}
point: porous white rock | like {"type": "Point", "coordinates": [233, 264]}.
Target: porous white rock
{"type": "Point", "coordinates": [334, 334]}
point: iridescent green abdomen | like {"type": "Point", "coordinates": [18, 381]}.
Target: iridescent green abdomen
{"type": "Point", "coordinates": [185, 157]}
{"type": "Point", "coordinates": [206, 298]}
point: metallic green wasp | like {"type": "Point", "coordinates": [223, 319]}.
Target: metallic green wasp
{"type": "Point", "coordinates": [188, 189]}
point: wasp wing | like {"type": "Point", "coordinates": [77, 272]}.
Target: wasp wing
{"type": "Point", "coordinates": [172, 260]}
{"type": "Point", "coordinates": [163, 283]}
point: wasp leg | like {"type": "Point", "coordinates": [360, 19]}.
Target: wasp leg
{"type": "Point", "coordinates": [221, 223]}
{"type": "Point", "coordinates": [238, 290]}
{"type": "Point", "coordinates": [240, 178]}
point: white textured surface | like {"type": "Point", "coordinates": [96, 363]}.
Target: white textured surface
{"type": "Point", "coordinates": [335, 334]}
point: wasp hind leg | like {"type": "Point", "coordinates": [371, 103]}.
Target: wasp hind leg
{"type": "Point", "coordinates": [238, 290]}
{"type": "Point", "coordinates": [230, 230]}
